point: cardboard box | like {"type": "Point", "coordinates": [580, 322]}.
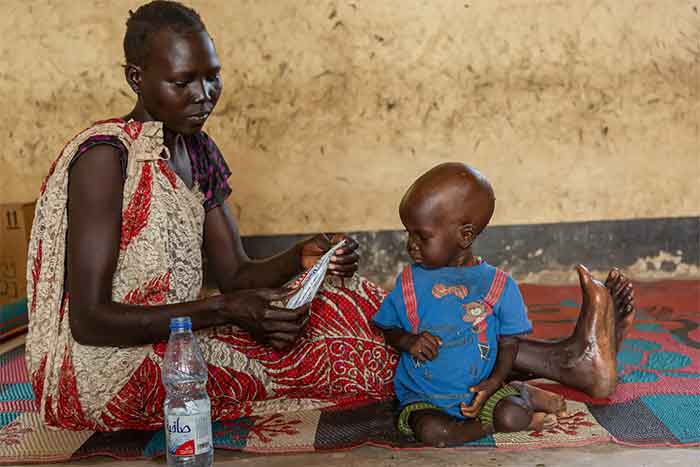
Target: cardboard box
{"type": "Point", "coordinates": [15, 229]}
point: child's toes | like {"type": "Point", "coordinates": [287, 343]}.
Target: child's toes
{"type": "Point", "coordinates": [542, 421]}
{"type": "Point", "coordinates": [550, 421]}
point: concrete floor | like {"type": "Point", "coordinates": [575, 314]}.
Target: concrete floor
{"type": "Point", "coordinates": [599, 455]}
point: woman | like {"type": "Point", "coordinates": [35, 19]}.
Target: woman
{"type": "Point", "coordinates": [124, 218]}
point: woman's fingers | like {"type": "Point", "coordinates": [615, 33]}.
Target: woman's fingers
{"type": "Point", "coordinates": [282, 337]}
{"type": "Point", "coordinates": [281, 341]}
{"type": "Point", "coordinates": [291, 327]}
{"type": "Point", "coordinates": [349, 247]}
{"type": "Point", "coordinates": [342, 259]}
{"type": "Point", "coordinates": [342, 270]}
{"type": "Point", "coordinates": [273, 295]}
{"type": "Point", "coordinates": [273, 313]}
{"type": "Point", "coordinates": [282, 319]}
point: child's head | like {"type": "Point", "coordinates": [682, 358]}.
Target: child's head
{"type": "Point", "coordinates": [443, 211]}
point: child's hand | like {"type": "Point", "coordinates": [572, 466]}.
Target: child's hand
{"type": "Point", "coordinates": [483, 390]}
{"type": "Point", "coordinates": [424, 346]}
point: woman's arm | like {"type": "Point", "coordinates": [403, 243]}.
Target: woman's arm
{"type": "Point", "coordinates": [230, 265]}
{"type": "Point", "coordinates": [234, 270]}
{"type": "Point", "coordinates": [94, 230]}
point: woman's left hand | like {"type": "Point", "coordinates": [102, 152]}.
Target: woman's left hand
{"type": "Point", "coordinates": [343, 262]}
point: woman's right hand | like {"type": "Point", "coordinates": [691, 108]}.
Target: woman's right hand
{"type": "Point", "coordinates": [271, 325]}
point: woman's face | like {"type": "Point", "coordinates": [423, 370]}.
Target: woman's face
{"type": "Point", "coordinates": [180, 80]}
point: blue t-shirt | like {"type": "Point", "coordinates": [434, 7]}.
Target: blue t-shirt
{"type": "Point", "coordinates": [450, 305]}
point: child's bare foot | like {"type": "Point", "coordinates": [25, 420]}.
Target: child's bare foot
{"type": "Point", "coordinates": [542, 400]}
{"type": "Point", "coordinates": [622, 292]}
{"type": "Point", "coordinates": [542, 421]}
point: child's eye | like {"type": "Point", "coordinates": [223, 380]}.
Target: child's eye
{"type": "Point", "coordinates": [183, 83]}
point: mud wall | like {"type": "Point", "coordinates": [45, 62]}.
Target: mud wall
{"type": "Point", "coordinates": [577, 110]}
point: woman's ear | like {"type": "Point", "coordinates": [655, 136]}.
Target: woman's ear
{"type": "Point", "coordinates": [466, 235]}
{"type": "Point", "coordinates": [134, 76]}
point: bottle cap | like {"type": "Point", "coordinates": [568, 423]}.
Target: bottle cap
{"type": "Point", "coordinates": [183, 323]}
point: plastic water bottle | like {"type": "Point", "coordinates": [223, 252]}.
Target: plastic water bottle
{"type": "Point", "coordinates": [187, 406]}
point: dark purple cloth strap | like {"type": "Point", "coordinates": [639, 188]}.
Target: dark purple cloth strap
{"type": "Point", "coordinates": [209, 169]}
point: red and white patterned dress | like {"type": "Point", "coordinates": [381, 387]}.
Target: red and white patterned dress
{"type": "Point", "coordinates": [339, 360]}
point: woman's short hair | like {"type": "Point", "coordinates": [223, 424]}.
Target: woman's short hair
{"type": "Point", "coordinates": [150, 18]}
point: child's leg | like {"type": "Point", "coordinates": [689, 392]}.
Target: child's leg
{"type": "Point", "coordinates": [436, 428]}
{"type": "Point", "coordinates": [541, 400]}
{"type": "Point", "coordinates": [513, 413]}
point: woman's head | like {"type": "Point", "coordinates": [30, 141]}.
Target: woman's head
{"type": "Point", "coordinates": [172, 66]}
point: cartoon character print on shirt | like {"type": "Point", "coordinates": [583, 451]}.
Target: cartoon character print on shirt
{"type": "Point", "coordinates": [476, 313]}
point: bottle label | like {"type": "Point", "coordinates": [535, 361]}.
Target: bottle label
{"type": "Point", "coordinates": [189, 433]}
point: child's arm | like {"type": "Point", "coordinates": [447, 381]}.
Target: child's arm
{"type": "Point", "coordinates": [422, 347]}
{"type": "Point", "coordinates": [507, 351]}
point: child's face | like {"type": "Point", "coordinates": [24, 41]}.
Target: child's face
{"type": "Point", "coordinates": [432, 242]}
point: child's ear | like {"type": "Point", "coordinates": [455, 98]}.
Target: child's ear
{"type": "Point", "coordinates": [466, 235]}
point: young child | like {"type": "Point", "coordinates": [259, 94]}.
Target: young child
{"type": "Point", "coordinates": [455, 319]}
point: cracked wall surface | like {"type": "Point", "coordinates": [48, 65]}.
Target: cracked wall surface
{"type": "Point", "coordinates": [576, 110]}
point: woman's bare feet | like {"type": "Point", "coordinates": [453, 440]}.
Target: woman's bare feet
{"type": "Point", "coordinates": [587, 359]}
{"type": "Point", "coordinates": [622, 292]}
{"type": "Point", "coordinates": [591, 361]}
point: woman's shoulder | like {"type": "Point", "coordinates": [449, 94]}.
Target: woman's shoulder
{"type": "Point", "coordinates": [113, 133]}
{"type": "Point", "coordinates": [114, 127]}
